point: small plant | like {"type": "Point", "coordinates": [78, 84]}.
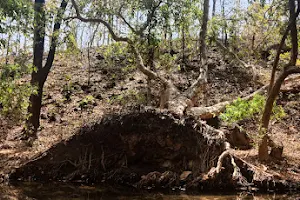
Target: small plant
{"type": "Point", "coordinates": [130, 96]}
{"type": "Point", "coordinates": [88, 100]}
{"type": "Point", "coordinates": [168, 61]}
{"type": "Point", "coordinates": [129, 68]}
{"type": "Point", "coordinates": [68, 88]}
{"type": "Point", "coordinates": [241, 109]}
{"type": "Point", "coordinates": [285, 57]}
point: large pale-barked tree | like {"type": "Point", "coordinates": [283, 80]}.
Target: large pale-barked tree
{"type": "Point", "coordinates": [173, 99]}
{"type": "Point", "coordinates": [149, 11]}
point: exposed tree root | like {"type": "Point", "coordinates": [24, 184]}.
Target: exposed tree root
{"type": "Point", "coordinates": [161, 151]}
{"type": "Point", "coordinates": [118, 149]}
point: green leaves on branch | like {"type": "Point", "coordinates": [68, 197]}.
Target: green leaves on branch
{"type": "Point", "coordinates": [16, 9]}
{"type": "Point", "coordinates": [14, 93]}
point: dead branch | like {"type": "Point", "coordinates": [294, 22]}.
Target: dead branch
{"type": "Point", "coordinates": [235, 57]}
{"type": "Point", "coordinates": [202, 79]}
{"type": "Point", "coordinates": [231, 53]}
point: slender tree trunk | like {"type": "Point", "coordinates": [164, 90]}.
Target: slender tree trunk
{"type": "Point", "coordinates": [224, 28]}
{"type": "Point", "coordinates": [38, 50]}
{"type": "Point", "coordinates": [214, 8]}
{"type": "Point", "coordinates": [150, 65]}
{"type": "Point", "coordinates": [81, 38]}
{"type": "Point", "coordinates": [183, 43]}
{"type": "Point", "coordinates": [274, 91]}
{"type": "Point", "coordinates": [203, 32]}
{"type": "Point", "coordinates": [213, 14]}
{"type": "Point", "coordinates": [171, 39]}
{"type": "Point", "coordinates": [39, 76]}
{"type": "Point", "coordinates": [25, 44]}
{"type": "Point", "coordinates": [253, 42]}
{"type": "Point", "coordinates": [294, 32]}
{"type": "Point", "coordinates": [7, 49]}
{"type": "Point", "coordinates": [18, 45]}
{"type": "Point", "coordinates": [202, 79]}
{"type": "Point", "coordinates": [292, 20]}
{"type": "Point", "coordinates": [90, 44]}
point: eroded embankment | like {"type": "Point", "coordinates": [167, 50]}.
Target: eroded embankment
{"type": "Point", "coordinates": [125, 147]}
{"type": "Point", "coordinates": [147, 149]}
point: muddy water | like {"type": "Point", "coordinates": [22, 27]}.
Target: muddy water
{"type": "Point", "coordinates": [60, 191]}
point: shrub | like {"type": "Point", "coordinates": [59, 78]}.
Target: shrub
{"type": "Point", "coordinates": [14, 93]}
{"type": "Point", "coordinates": [241, 109]}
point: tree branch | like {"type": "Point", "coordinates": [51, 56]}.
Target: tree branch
{"type": "Point", "coordinates": [54, 40]}
{"type": "Point", "coordinates": [211, 111]}
{"type": "Point", "coordinates": [232, 54]}
{"type": "Point", "coordinates": [125, 21]}
{"type": "Point", "coordinates": [149, 19]}
{"type": "Point", "coordinates": [276, 61]}
{"type": "Point", "coordinates": [141, 66]}
{"type": "Point", "coordinates": [274, 93]}
{"type": "Point", "coordinates": [99, 20]}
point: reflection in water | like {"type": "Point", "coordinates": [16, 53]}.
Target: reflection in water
{"type": "Point", "coordinates": [58, 191]}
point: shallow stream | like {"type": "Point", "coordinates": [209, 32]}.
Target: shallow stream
{"type": "Point", "coordinates": [59, 191]}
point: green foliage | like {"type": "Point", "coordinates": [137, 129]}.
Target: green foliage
{"type": "Point", "coordinates": [168, 61]}
{"type": "Point", "coordinates": [14, 93]}
{"type": "Point", "coordinates": [15, 8]}
{"type": "Point", "coordinates": [117, 55]}
{"type": "Point", "coordinates": [88, 100]}
{"type": "Point", "coordinates": [15, 15]}
{"type": "Point", "coordinates": [114, 50]}
{"type": "Point", "coordinates": [285, 57]}
{"type": "Point", "coordinates": [215, 24]}
{"type": "Point", "coordinates": [72, 46]}
{"type": "Point", "coordinates": [68, 87]}
{"type": "Point", "coordinates": [278, 112]}
{"type": "Point", "coordinates": [241, 109]}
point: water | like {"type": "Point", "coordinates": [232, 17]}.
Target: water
{"type": "Point", "coordinates": [58, 191]}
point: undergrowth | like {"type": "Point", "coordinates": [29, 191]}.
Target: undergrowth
{"type": "Point", "coordinates": [241, 109]}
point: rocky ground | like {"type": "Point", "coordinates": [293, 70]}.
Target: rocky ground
{"type": "Point", "coordinates": [70, 103]}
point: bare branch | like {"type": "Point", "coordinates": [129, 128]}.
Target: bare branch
{"type": "Point", "coordinates": [99, 20]}
{"type": "Point", "coordinates": [125, 21]}
{"type": "Point", "coordinates": [232, 54]}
